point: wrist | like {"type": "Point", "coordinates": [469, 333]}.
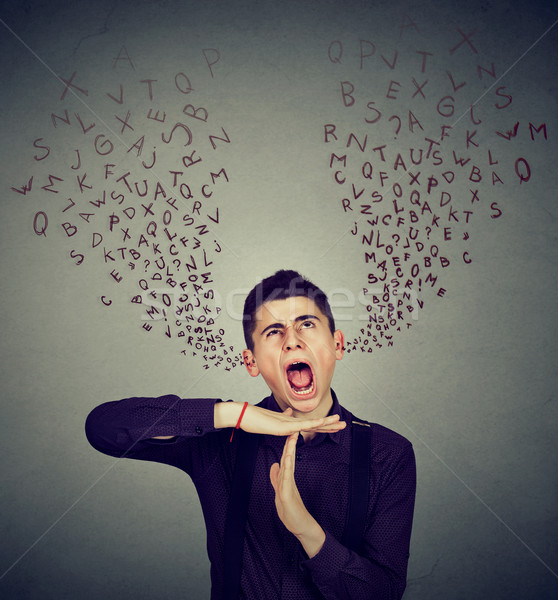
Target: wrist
{"type": "Point", "coordinates": [312, 538]}
{"type": "Point", "coordinates": [226, 414]}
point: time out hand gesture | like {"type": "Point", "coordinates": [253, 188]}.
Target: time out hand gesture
{"type": "Point", "coordinates": [261, 420]}
{"type": "Point", "coordinates": [289, 504]}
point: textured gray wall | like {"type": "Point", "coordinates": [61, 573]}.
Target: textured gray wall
{"type": "Point", "coordinates": [471, 377]}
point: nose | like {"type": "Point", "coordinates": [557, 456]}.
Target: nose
{"type": "Point", "coordinates": [292, 341]}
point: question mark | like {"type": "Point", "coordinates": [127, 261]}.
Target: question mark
{"type": "Point", "coordinates": [395, 235]}
{"type": "Point", "coordinates": [176, 262]}
{"type": "Point", "coordinates": [398, 126]}
{"type": "Point", "coordinates": [146, 262]}
{"type": "Point", "coordinates": [428, 230]}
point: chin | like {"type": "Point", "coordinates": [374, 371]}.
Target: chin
{"type": "Point", "coordinates": [303, 405]}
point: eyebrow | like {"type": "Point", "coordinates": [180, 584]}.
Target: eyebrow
{"type": "Point", "coordinates": [297, 320]}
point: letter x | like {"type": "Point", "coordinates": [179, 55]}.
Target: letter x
{"type": "Point", "coordinates": [466, 38]}
{"type": "Point", "coordinates": [125, 122]}
{"type": "Point", "coordinates": [69, 84]}
{"type": "Point", "coordinates": [475, 196]}
{"type": "Point", "coordinates": [419, 88]}
{"type": "Point", "coordinates": [414, 178]}
{"type": "Point", "coordinates": [148, 210]}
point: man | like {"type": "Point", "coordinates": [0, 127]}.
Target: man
{"type": "Point", "coordinates": [299, 538]}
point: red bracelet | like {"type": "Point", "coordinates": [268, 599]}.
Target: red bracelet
{"type": "Point", "coordinates": [239, 419]}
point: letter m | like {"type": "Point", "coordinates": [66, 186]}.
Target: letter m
{"type": "Point", "coordinates": [25, 187]}
{"type": "Point", "coordinates": [215, 176]}
{"type": "Point", "coordinates": [536, 129]}
{"type": "Point", "coordinates": [342, 159]}
{"type": "Point", "coordinates": [431, 279]}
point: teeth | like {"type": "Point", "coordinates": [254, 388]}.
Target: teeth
{"type": "Point", "coordinates": [304, 392]}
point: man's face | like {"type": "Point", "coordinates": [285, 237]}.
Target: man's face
{"type": "Point", "coordinates": [295, 353]}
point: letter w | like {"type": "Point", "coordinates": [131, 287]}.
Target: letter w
{"type": "Point", "coordinates": [510, 134]}
{"type": "Point", "coordinates": [24, 188]}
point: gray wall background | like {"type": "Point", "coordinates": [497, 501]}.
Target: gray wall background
{"type": "Point", "coordinates": [472, 383]}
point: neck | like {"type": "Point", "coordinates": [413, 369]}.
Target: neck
{"type": "Point", "coordinates": [308, 435]}
{"type": "Point", "coordinates": [321, 411]}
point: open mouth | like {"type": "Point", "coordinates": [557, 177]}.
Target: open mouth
{"type": "Point", "coordinates": [300, 378]}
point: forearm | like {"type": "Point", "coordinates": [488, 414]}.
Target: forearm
{"type": "Point", "coordinates": [116, 427]}
{"type": "Point", "coordinates": [341, 574]}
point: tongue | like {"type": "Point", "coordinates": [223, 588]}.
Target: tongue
{"type": "Point", "coordinates": [300, 378]}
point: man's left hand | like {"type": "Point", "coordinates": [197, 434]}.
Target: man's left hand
{"type": "Point", "coordinates": [290, 508]}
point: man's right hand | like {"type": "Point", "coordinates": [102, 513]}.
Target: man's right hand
{"type": "Point", "coordinates": [261, 420]}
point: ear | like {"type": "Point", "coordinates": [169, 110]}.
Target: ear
{"type": "Point", "coordinates": [339, 340]}
{"type": "Point", "coordinates": [250, 363]}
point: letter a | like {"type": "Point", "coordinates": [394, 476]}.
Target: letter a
{"type": "Point", "coordinates": [123, 55]}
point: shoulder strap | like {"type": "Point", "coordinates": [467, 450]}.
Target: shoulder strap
{"type": "Point", "coordinates": [359, 485]}
{"type": "Point", "coordinates": [237, 512]}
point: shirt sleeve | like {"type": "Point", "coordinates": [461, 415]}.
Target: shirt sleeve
{"type": "Point", "coordinates": [126, 428]}
{"type": "Point", "coordinates": [379, 571]}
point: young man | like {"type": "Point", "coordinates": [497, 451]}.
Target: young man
{"type": "Point", "coordinates": [324, 528]}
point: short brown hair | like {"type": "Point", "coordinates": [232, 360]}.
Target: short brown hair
{"type": "Point", "coordinates": [280, 286]}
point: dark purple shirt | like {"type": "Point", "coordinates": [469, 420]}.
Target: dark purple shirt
{"type": "Point", "coordinates": [274, 563]}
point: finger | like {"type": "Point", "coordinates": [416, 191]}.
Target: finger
{"type": "Point", "coordinates": [288, 462]}
{"type": "Point", "coordinates": [288, 411]}
{"type": "Point", "coordinates": [292, 424]}
{"type": "Point", "coordinates": [331, 420]}
{"type": "Point", "coordinates": [312, 424]}
{"type": "Point", "coordinates": [331, 428]}
{"type": "Point", "coordinates": [285, 447]}
{"type": "Point", "coordinates": [286, 450]}
{"type": "Point", "coordinates": [278, 467]}
{"type": "Point", "coordinates": [274, 475]}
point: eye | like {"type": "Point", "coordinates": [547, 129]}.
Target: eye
{"type": "Point", "coordinates": [271, 332]}
{"type": "Point", "coordinates": [306, 324]}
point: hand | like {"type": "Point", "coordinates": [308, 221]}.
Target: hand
{"type": "Point", "coordinates": [289, 504]}
{"type": "Point", "coordinates": [261, 420]}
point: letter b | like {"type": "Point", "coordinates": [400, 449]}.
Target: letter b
{"type": "Point", "coordinates": [69, 229]}
{"type": "Point", "coordinates": [348, 99]}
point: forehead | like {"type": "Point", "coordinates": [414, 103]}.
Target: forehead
{"type": "Point", "coordinates": [281, 311]}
